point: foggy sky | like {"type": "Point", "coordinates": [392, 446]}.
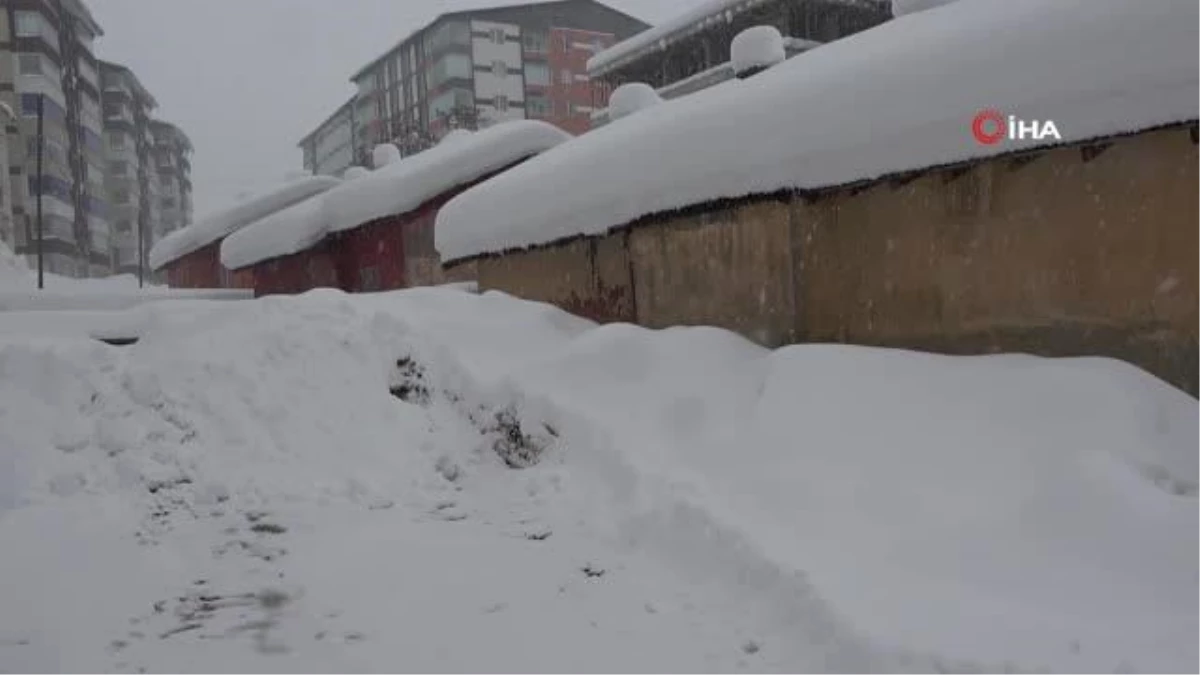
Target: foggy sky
{"type": "Point", "coordinates": [247, 79]}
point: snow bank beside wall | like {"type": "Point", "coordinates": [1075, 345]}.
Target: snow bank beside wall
{"type": "Point", "coordinates": [873, 104]}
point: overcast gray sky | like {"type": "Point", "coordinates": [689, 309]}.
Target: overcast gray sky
{"type": "Point", "coordinates": [246, 79]}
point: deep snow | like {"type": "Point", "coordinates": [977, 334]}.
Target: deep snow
{"type": "Point", "coordinates": [240, 490]}
{"type": "Point", "coordinates": [865, 106]}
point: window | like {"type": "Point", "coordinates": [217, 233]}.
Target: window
{"type": "Point", "coordinates": [121, 197]}
{"type": "Point", "coordinates": [116, 140]}
{"type": "Point", "coordinates": [534, 41]}
{"type": "Point", "coordinates": [29, 64]}
{"type": "Point", "coordinates": [29, 24]}
{"type": "Point", "coordinates": [118, 168]}
{"type": "Point", "coordinates": [168, 182]}
{"type": "Point", "coordinates": [168, 203]}
{"type": "Point", "coordinates": [566, 43]}
{"type": "Point", "coordinates": [537, 74]}
{"type": "Point", "coordinates": [537, 106]}
{"type": "Point", "coordinates": [565, 77]}
{"type": "Point", "coordinates": [124, 226]}
{"type": "Point", "coordinates": [501, 103]}
{"type": "Point", "coordinates": [498, 36]}
{"type": "Point", "coordinates": [499, 69]}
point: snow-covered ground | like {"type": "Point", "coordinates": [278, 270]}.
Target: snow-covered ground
{"type": "Point", "coordinates": [81, 302]}
{"type": "Point", "coordinates": [434, 480]}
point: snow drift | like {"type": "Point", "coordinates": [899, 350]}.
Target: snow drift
{"type": "Point", "coordinates": [393, 189]}
{"type": "Point", "coordinates": [1098, 67]}
{"type": "Point", "coordinates": [874, 510]}
{"type": "Point", "coordinates": [204, 232]}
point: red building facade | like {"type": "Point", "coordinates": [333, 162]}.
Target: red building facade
{"type": "Point", "coordinates": [572, 95]}
{"type": "Point", "coordinates": [199, 269]}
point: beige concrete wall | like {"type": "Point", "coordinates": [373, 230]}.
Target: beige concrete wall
{"type": "Point", "coordinates": [1069, 252]}
{"type": "Point", "coordinates": [730, 267]}
{"type": "Point", "coordinates": [589, 277]}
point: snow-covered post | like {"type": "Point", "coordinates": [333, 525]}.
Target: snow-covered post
{"type": "Point", "coordinates": [756, 49]}
{"type": "Point", "coordinates": [628, 99]}
{"type": "Point", "coordinates": [384, 154]}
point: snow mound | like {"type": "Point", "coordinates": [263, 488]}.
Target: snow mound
{"type": "Point", "coordinates": [903, 7]}
{"type": "Point", "coordinates": [1127, 67]}
{"type": "Point", "coordinates": [629, 98]}
{"type": "Point", "coordinates": [384, 154]}
{"type": "Point", "coordinates": [204, 232]}
{"type": "Point", "coordinates": [355, 172]}
{"type": "Point", "coordinates": [394, 189]}
{"type": "Point", "coordinates": [299, 174]}
{"type": "Point", "coordinates": [757, 47]}
{"type": "Point", "coordinates": [876, 510]}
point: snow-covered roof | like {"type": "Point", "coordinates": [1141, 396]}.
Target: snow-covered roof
{"type": "Point", "coordinates": [661, 35]}
{"type": "Point", "coordinates": [204, 232]}
{"type": "Point", "coordinates": [393, 189]}
{"type": "Point", "coordinates": [897, 97]}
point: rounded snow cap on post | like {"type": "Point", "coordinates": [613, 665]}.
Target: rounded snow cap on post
{"type": "Point", "coordinates": [756, 49]}
{"type": "Point", "coordinates": [902, 7]}
{"type": "Point", "coordinates": [384, 154]}
{"type": "Point", "coordinates": [628, 99]}
{"type": "Point", "coordinates": [355, 172]}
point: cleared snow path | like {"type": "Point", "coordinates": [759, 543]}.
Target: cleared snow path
{"type": "Point", "coordinates": [327, 484]}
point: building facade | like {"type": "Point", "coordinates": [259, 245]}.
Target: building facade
{"type": "Point", "coordinates": [472, 69]}
{"type": "Point", "coordinates": [173, 174]}
{"type": "Point", "coordinates": [329, 149]}
{"type": "Point", "coordinates": [692, 51]}
{"type": "Point", "coordinates": [47, 55]}
{"type": "Point", "coordinates": [130, 182]}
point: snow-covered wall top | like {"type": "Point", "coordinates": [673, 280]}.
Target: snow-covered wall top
{"type": "Point", "coordinates": [204, 232]}
{"type": "Point", "coordinates": [660, 36]}
{"type": "Point", "coordinates": [394, 189]}
{"type": "Point", "coordinates": [900, 96]}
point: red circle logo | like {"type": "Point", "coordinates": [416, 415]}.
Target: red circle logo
{"type": "Point", "coordinates": [989, 127]}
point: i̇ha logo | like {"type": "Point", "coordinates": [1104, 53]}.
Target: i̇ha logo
{"type": "Point", "coordinates": [990, 127]}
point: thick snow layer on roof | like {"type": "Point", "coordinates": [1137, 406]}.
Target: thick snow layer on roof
{"type": "Point", "coordinates": [291, 230]}
{"type": "Point", "coordinates": [355, 172]}
{"type": "Point", "coordinates": [713, 10]}
{"type": "Point", "coordinates": [897, 97]}
{"type": "Point", "coordinates": [757, 47]}
{"type": "Point", "coordinates": [903, 7]}
{"type": "Point", "coordinates": [394, 189]}
{"type": "Point", "coordinates": [204, 232]}
{"type": "Point", "coordinates": [630, 98]}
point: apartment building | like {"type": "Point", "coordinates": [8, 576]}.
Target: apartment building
{"type": "Point", "coordinates": [47, 56]}
{"type": "Point", "coordinates": [131, 180]}
{"type": "Point", "coordinates": [691, 51]}
{"type": "Point", "coordinates": [329, 149]}
{"type": "Point", "coordinates": [173, 166]}
{"type": "Point", "coordinates": [471, 69]}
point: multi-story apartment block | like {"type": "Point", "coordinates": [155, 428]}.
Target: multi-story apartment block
{"type": "Point", "coordinates": [173, 166]}
{"type": "Point", "coordinates": [691, 51]}
{"type": "Point", "coordinates": [47, 58]}
{"type": "Point", "coordinates": [474, 68]}
{"type": "Point", "coordinates": [329, 149]}
{"type": "Point", "coordinates": [131, 175]}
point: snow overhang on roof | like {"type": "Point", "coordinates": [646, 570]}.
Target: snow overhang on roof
{"type": "Point", "coordinates": [898, 97]}
{"type": "Point", "coordinates": [391, 190]}
{"type": "Point", "coordinates": [204, 232]}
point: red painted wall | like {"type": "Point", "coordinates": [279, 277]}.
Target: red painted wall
{"type": "Point", "coordinates": [571, 102]}
{"type": "Point", "coordinates": [199, 269]}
